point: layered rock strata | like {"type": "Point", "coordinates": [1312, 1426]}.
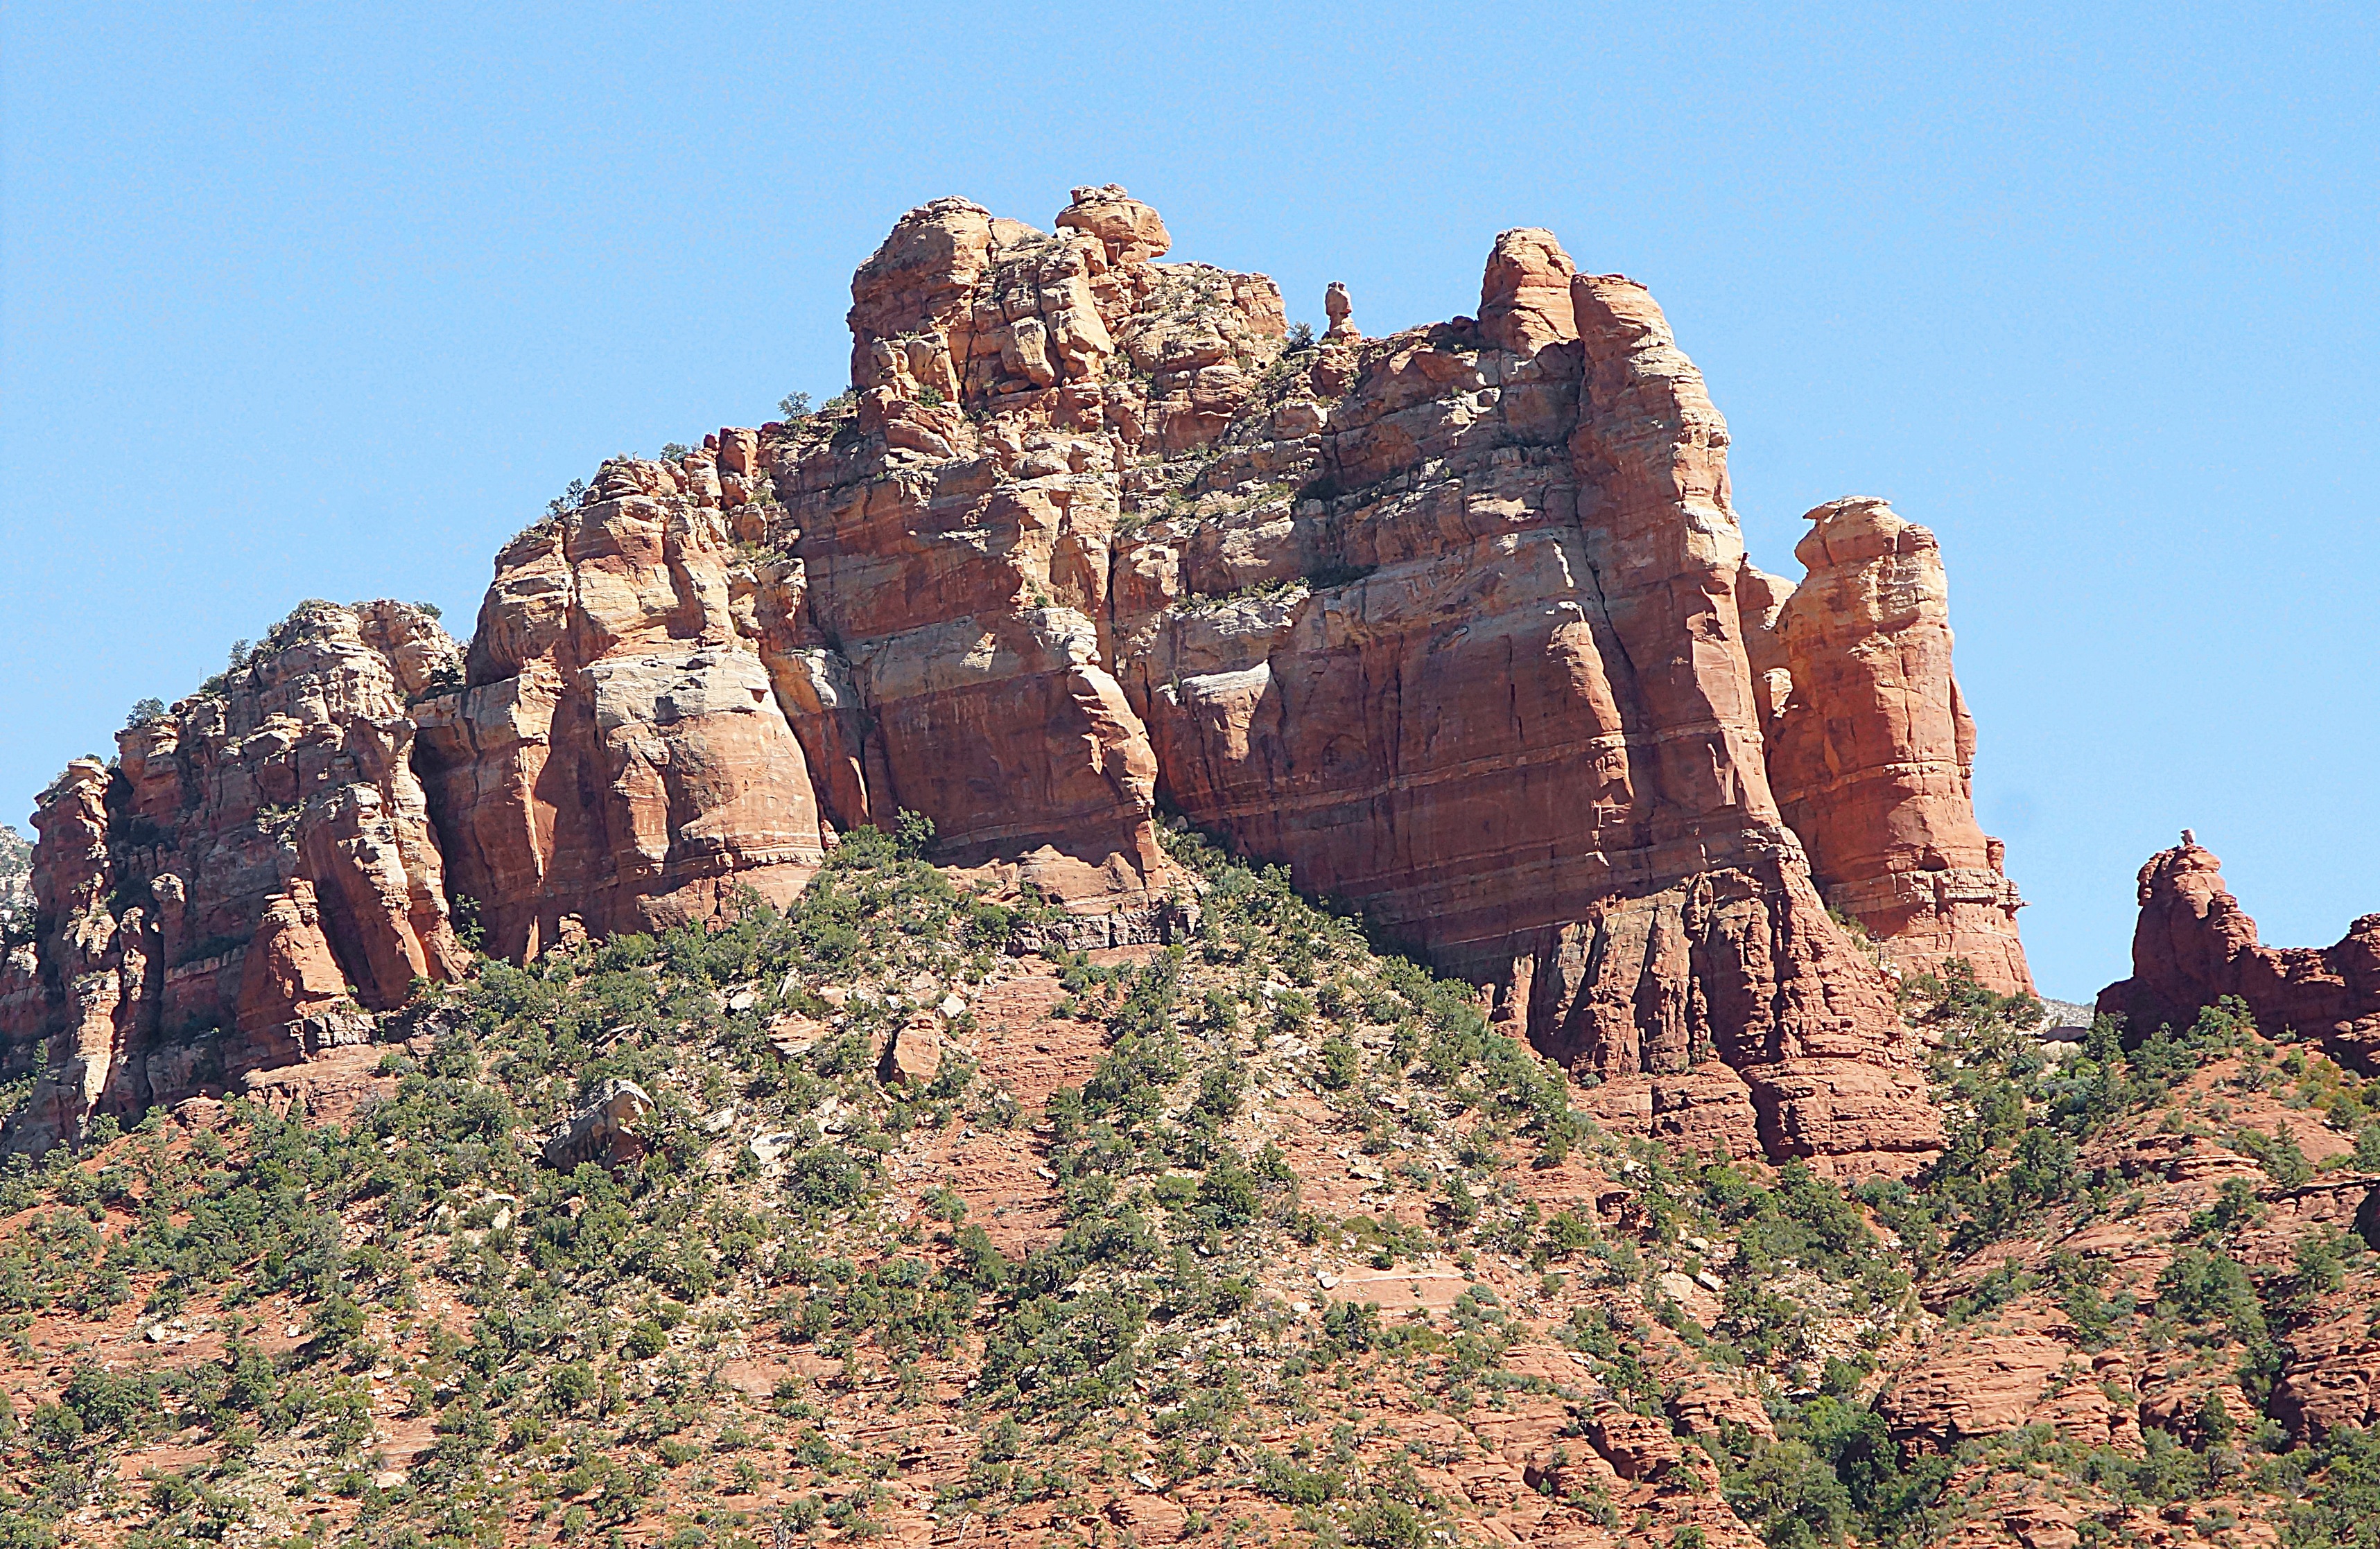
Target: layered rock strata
{"type": "Point", "coordinates": [1871, 752]}
{"type": "Point", "coordinates": [1459, 644]}
{"type": "Point", "coordinates": [2193, 945]}
{"type": "Point", "coordinates": [1454, 623]}
{"type": "Point", "coordinates": [254, 876]}
{"type": "Point", "coordinates": [617, 757]}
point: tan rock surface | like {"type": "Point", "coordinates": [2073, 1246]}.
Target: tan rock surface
{"type": "Point", "coordinates": [914, 1055]}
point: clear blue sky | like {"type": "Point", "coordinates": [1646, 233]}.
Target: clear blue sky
{"type": "Point", "coordinates": [301, 301]}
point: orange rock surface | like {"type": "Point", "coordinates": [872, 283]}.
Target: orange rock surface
{"type": "Point", "coordinates": [255, 871]}
{"type": "Point", "coordinates": [2193, 945]}
{"type": "Point", "coordinates": [617, 754]}
{"type": "Point", "coordinates": [1872, 753]}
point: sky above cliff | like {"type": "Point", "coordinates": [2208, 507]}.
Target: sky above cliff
{"type": "Point", "coordinates": [301, 303]}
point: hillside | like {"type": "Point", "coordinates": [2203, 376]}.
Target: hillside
{"type": "Point", "coordinates": [1263, 1236]}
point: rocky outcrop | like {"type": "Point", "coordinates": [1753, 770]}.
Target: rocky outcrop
{"type": "Point", "coordinates": [617, 756]}
{"type": "Point", "coordinates": [22, 1014]}
{"type": "Point", "coordinates": [1974, 1384]}
{"type": "Point", "coordinates": [957, 535]}
{"type": "Point", "coordinates": [2193, 945]}
{"type": "Point", "coordinates": [913, 1056]}
{"type": "Point", "coordinates": [1871, 752]}
{"type": "Point", "coordinates": [254, 876]}
{"type": "Point", "coordinates": [2332, 1379]}
{"type": "Point", "coordinates": [1456, 623]}
{"type": "Point", "coordinates": [1461, 645]}
{"type": "Point", "coordinates": [1524, 297]}
{"type": "Point", "coordinates": [602, 1130]}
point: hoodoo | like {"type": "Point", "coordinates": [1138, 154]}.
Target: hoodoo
{"type": "Point", "coordinates": [1455, 622]}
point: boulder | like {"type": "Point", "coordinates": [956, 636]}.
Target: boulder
{"type": "Point", "coordinates": [913, 1056]}
{"type": "Point", "coordinates": [602, 1128]}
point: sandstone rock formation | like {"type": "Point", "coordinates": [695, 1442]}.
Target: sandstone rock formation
{"type": "Point", "coordinates": [22, 1014]}
{"type": "Point", "coordinates": [1524, 301]}
{"type": "Point", "coordinates": [617, 756]}
{"type": "Point", "coordinates": [1456, 623]}
{"type": "Point", "coordinates": [255, 872]}
{"type": "Point", "coordinates": [957, 549]}
{"type": "Point", "coordinates": [912, 1055]}
{"type": "Point", "coordinates": [2332, 1380]}
{"type": "Point", "coordinates": [1982, 1385]}
{"type": "Point", "coordinates": [1871, 752]}
{"type": "Point", "coordinates": [1338, 310]}
{"type": "Point", "coordinates": [2193, 945]}
{"type": "Point", "coordinates": [1461, 645]}
{"type": "Point", "coordinates": [602, 1128]}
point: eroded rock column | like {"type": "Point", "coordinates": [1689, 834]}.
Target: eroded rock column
{"type": "Point", "coordinates": [1873, 755]}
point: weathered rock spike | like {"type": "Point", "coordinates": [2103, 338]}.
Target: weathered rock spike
{"type": "Point", "coordinates": [2193, 945]}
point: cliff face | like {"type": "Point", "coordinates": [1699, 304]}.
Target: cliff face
{"type": "Point", "coordinates": [1451, 629]}
{"type": "Point", "coordinates": [255, 874]}
{"type": "Point", "coordinates": [956, 539]}
{"type": "Point", "coordinates": [617, 758]}
{"type": "Point", "coordinates": [2194, 945]}
{"type": "Point", "coordinates": [1456, 623]}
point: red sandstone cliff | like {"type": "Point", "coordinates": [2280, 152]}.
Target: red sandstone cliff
{"type": "Point", "coordinates": [617, 755]}
{"type": "Point", "coordinates": [2194, 945]}
{"type": "Point", "coordinates": [1451, 629]}
{"type": "Point", "coordinates": [1456, 623]}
